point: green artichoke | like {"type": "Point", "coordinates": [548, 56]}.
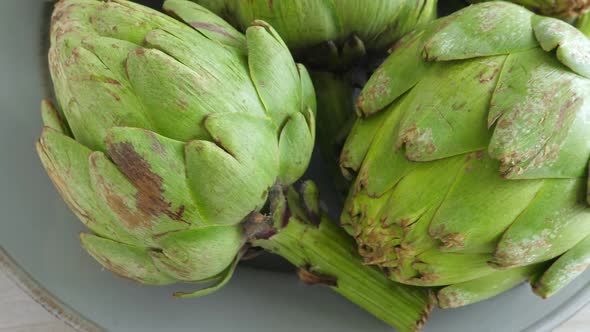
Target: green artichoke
{"type": "Point", "coordinates": [565, 9]}
{"type": "Point", "coordinates": [169, 139]}
{"type": "Point", "coordinates": [173, 136]}
{"type": "Point", "coordinates": [471, 155]}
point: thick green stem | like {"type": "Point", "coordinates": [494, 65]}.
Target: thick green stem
{"type": "Point", "coordinates": [326, 255]}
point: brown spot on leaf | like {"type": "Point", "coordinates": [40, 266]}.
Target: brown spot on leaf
{"type": "Point", "coordinates": [112, 81]}
{"type": "Point", "coordinates": [212, 27]}
{"type": "Point", "coordinates": [149, 199]}
{"type": "Point", "coordinates": [566, 9]}
{"type": "Point", "coordinates": [453, 240]}
{"type": "Point", "coordinates": [156, 145]}
{"type": "Point", "coordinates": [313, 278]}
{"type": "Point", "coordinates": [418, 142]}
{"type": "Point", "coordinates": [486, 75]}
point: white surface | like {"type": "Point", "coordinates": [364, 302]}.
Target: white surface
{"type": "Point", "coordinates": [19, 313]}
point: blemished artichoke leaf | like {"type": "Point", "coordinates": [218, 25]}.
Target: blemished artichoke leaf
{"type": "Point", "coordinates": [140, 210]}
{"type": "Point", "coordinates": [207, 23]}
{"type": "Point", "coordinates": [572, 47]}
{"type": "Point", "coordinates": [447, 121]}
{"type": "Point", "coordinates": [399, 73]}
{"type": "Point", "coordinates": [85, 89]}
{"type": "Point", "coordinates": [565, 269]}
{"type": "Point", "coordinates": [382, 155]}
{"type": "Point", "coordinates": [419, 203]}
{"type": "Point", "coordinates": [549, 226]}
{"type": "Point", "coordinates": [492, 28]}
{"type": "Point", "coordinates": [453, 222]}
{"type": "Point", "coordinates": [564, 9]}
{"type": "Point", "coordinates": [476, 290]}
{"type": "Point", "coordinates": [52, 118]}
{"type": "Point", "coordinates": [152, 163]}
{"type": "Point", "coordinates": [62, 156]}
{"type": "Point", "coordinates": [363, 132]}
{"type": "Point", "coordinates": [488, 167]}
{"type": "Point", "coordinates": [125, 260]}
{"type": "Point", "coordinates": [111, 52]}
{"type": "Point", "coordinates": [439, 268]}
{"type": "Point", "coordinates": [140, 187]}
{"type": "Point", "coordinates": [531, 144]}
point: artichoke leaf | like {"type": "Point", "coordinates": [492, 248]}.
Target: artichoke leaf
{"type": "Point", "coordinates": [221, 280]}
{"type": "Point", "coordinates": [478, 191]}
{"type": "Point", "coordinates": [127, 261]}
{"type": "Point", "coordinates": [452, 119]}
{"type": "Point", "coordinates": [555, 220]}
{"type": "Point", "coordinates": [65, 161]}
{"type": "Point", "coordinates": [241, 165]}
{"type": "Point", "coordinates": [565, 269]}
{"type": "Point", "coordinates": [88, 88]}
{"type": "Point", "coordinates": [476, 290]}
{"type": "Point", "coordinates": [273, 72]}
{"type": "Point", "coordinates": [572, 45]}
{"type": "Point", "coordinates": [492, 28]}
{"type": "Point", "coordinates": [540, 118]}
{"type": "Point", "coordinates": [207, 23]}
{"type": "Point", "coordinates": [187, 255]}
{"type": "Point", "coordinates": [52, 118]}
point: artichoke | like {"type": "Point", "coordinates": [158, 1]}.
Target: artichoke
{"type": "Point", "coordinates": [471, 155]}
{"type": "Point", "coordinates": [565, 9]}
{"type": "Point", "coordinates": [169, 139]}
{"type": "Point", "coordinates": [173, 136]}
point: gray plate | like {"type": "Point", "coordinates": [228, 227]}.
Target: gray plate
{"type": "Point", "coordinates": [41, 235]}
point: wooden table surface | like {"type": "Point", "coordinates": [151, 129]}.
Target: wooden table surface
{"type": "Point", "coordinates": [19, 313]}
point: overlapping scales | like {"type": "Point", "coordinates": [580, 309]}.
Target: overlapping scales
{"type": "Point", "coordinates": [478, 159]}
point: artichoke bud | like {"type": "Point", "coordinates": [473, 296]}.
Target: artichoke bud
{"type": "Point", "coordinates": [170, 134]}
{"type": "Point", "coordinates": [485, 172]}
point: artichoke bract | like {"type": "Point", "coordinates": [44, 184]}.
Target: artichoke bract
{"type": "Point", "coordinates": [565, 9]}
{"type": "Point", "coordinates": [471, 155]}
{"type": "Point", "coordinates": [176, 146]}
{"type": "Point", "coordinates": [170, 137]}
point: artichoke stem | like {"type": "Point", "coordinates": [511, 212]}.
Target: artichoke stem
{"type": "Point", "coordinates": [325, 255]}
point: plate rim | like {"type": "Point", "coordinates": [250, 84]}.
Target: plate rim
{"type": "Point", "coordinates": [71, 317]}
{"type": "Point", "coordinates": [51, 303]}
